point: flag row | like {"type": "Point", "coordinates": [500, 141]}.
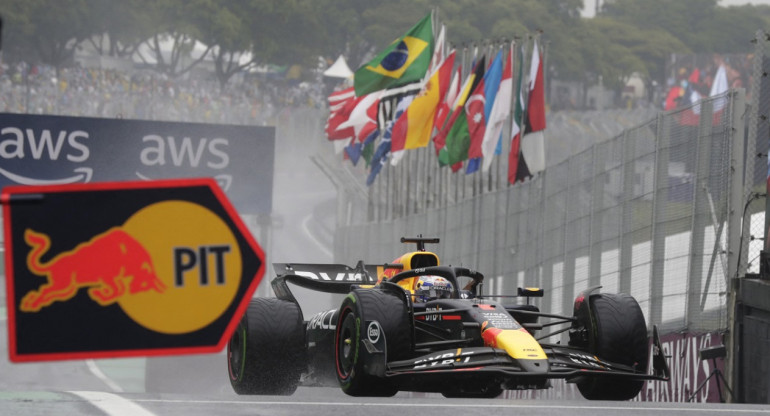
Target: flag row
{"type": "Point", "coordinates": [414, 93]}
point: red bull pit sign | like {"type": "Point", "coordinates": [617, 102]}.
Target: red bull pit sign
{"type": "Point", "coordinates": [124, 269]}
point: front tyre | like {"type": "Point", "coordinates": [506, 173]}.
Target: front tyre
{"type": "Point", "coordinates": [357, 308]}
{"type": "Point", "coordinates": [620, 336]}
{"type": "Point", "coordinates": [266, 354]}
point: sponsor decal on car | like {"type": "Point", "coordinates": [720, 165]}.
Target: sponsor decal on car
{"type": "Point", "coordinates": [373, 332]}
{"type": "Point", "coordinates": [323, 320]}
{"type": "Point", "coordinates": [339, 277]}
{"type": "Point", "coordinates": [444, 360]}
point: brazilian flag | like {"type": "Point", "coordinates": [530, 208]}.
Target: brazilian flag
{"type": "Point", "coordinates": [403, 61]}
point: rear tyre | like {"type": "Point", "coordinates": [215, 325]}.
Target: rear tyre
{"type": "Point", "coordinates": [266, 354]}
{"type": "Point", "coordinates": [392, 315]}
{"type": "Point", "coordinates": [619, 336]}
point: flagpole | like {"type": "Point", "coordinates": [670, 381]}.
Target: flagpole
{"type": "Point", "coordinates": [376, 200]}
{"type": "Point", "coordinates": [399, 191]}
{"type": "Point", "coordinates": [421, 181]}
{"type": "Point", "coordinates": [463, 178]}
{"type": "Point", "coordinates": [480, 171]}
{"type": "Point", "coordinates": [524, 92]}
{"type": "Point", "coordinates": [514, 97]}
{"type": "Point", "coordinates": [427, 176]}
{"type": "Point", "coordinates": [541, 56]}
{"type": "Point", "coordinates": [414, 167]}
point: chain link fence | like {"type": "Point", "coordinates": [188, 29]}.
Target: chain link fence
{"type": "Point", "coordinates": [752, 324]}
{"type": "Point", "coordinates": [645, 212]}
{"type": "Point", "coordinates": [757, 147]}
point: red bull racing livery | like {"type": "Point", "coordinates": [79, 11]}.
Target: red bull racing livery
{"type": "Point", "coordinates": [415, 325]}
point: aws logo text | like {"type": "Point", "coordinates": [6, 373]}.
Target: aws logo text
{"type": "Point", "coordinates": [18, 143]}
{"type": "Point", "coordinates": [185, 152]}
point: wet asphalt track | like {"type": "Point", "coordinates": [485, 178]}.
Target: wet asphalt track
{"type": "Point", "coordinates": [323, 402]}
{"type": "Point", "coordinates": [116, 388]}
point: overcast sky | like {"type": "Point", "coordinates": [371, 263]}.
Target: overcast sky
{"type": "Point", "coordinates": [589, 8]}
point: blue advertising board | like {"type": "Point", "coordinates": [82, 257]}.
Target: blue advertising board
{"type": "Point", "coordinates": [53, 150]}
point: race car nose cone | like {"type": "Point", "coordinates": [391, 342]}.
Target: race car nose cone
{"type": "Point", "coordinates": [534, 366]}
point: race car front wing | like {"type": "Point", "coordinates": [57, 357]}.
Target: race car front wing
{"type": "Point", "coordinates": [571, 364]}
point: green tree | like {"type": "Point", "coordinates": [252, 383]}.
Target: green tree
{"type": "Point", "coordinates": [628, 36]}
{"type": "Point", "coordinates": [120, 26]}
{"type": "Point", "coordinates": [49, 31]}
{"type": "Point", "coordinates": [227, 29]}
{"type": "Point", "coordinates": [175, 31]}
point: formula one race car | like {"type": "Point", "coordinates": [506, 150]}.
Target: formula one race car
{"type": "Point", "coordinates": [410, 325]}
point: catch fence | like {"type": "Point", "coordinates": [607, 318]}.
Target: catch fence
{"type": "Point", "coordinates": [650, 212]}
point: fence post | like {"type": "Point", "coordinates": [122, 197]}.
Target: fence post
{"type": "Point", "coordinates": [626, 243]}
{"type": "Point", "coordinates": [735, 212]}
{"type": "Point", "coordinates": [596, 224]}
{"type": "Point", "coordinates": [659, 202]}
{"type": "Point", "coordinates": [699, 214]}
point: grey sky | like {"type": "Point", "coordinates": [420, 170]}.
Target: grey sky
{"type": "Point", "coordinates": [589, 6]}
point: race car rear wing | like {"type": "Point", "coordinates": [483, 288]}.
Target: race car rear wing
{"type": "Point", "coordinates": [328, 278]}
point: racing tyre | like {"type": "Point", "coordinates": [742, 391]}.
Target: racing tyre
{"type": "Point", "coordinates": [392, 315]}
{"type": "Point", "coordinates": [620, 336]}
{"type": "Point", "coordinates": [266, 354]}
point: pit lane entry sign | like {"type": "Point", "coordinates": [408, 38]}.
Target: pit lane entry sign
{"type": "Point", "coordinates": [122, 269]}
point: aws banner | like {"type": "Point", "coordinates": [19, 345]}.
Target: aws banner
{"type": "Point", "coordinates": [53, 150]}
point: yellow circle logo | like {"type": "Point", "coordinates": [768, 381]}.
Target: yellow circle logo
{"type": "Point", "coordinates": [197, 263]}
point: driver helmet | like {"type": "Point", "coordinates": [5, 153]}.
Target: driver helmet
{"type": "Point", "coordinates": [431, 287]}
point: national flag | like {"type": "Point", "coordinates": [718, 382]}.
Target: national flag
{"type": "Point", "coordinates": [390, 99]}
{"type": "Point", "coordinates": [533, 138]}
{"type": "Point", "coordinates": [363, 117]}
{"type": "Point", "coordinates": [380, 157]}
{"type": "Point", "coordinates": [477, 124]}
{"type": "Point", "coordinates": [337, 99]}
{"type": "Point", "coordinates": [462, 93]}
{"type": "Point", "coordinates": [341, 103]}
{"type": "Point", "coordinates": [367, 151]}
{"type": "Point", "coordinates": [446, 106]}
{"type": "Point", "coordinates": [404, 61]}
{"type": "Point", "coordinates": [337, 119]}
{"type": "Point", "coordinates": [413, 129]}
{"type": "Point", "coordinates": [341, 144]}
{"type": "Point", "coordinates": [398, 154]}
{"type": "Point", "coordinates": [438, 50]}
{"type": "Point", "coordinates": [498, 114]}
{"type": "Point", "coordinates": [353, 151]}
{"type": "Point", "coordinates": [514, 155]}
{"type": "Point", "coordinates": [458, 138]}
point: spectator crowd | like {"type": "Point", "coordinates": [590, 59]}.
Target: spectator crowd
{"type": "Point", "coordinates": [148, 95]}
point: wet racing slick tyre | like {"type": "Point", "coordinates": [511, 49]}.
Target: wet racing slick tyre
{"type": "Point", "coordinates": [391, 313]}
{"type": "Point", "coordinates": [266, 354]}
{"type": "Point", "coordinates": [620, 335]}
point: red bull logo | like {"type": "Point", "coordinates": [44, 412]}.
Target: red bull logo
{"type": "Point", "coordinates": [111, 265]}
{"type": "Point", "coordinates": [152, 266]}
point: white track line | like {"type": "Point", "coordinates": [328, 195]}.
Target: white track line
{"type": "Point", "coordinates": [714, 409]}
{"type": "Point", "coordinates": [96, 371]}
{"type": "Point", "coordinates": [306, 229]}
{"type": "Point", "coordinates": [112, 404]}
